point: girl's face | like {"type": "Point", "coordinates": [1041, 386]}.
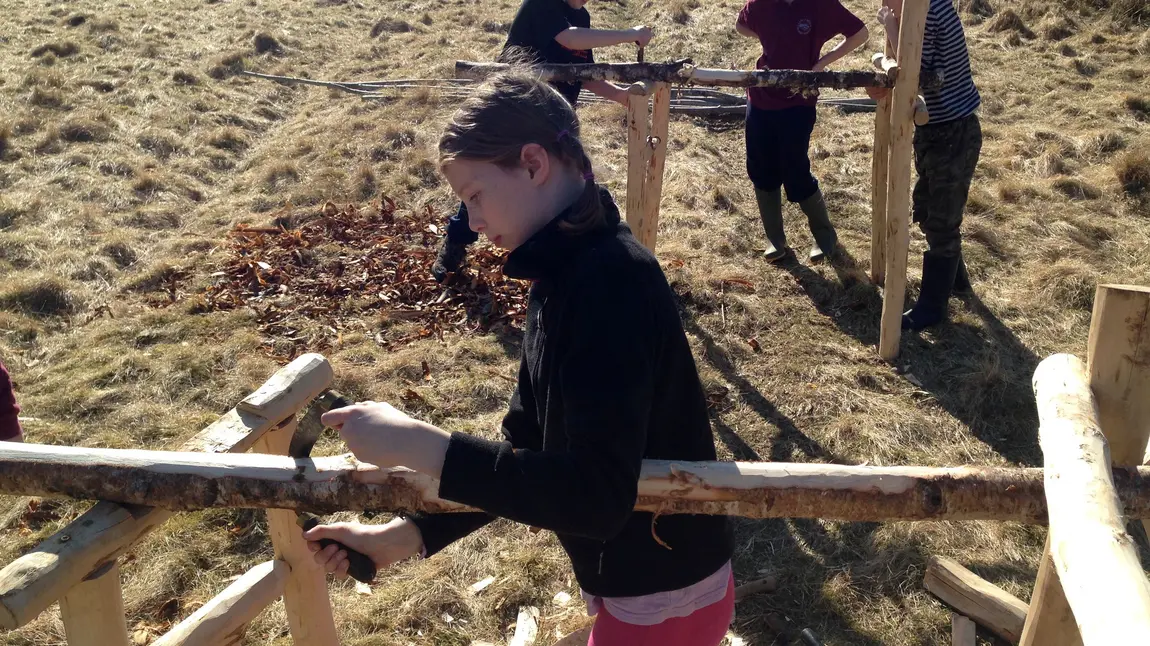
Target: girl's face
{"type": "Point", "coordinates": [508, 205]}
{"type": "Point", "coordinates": [576, 4]}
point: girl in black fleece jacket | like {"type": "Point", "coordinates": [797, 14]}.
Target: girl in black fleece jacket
{"type": "Point", "coordinates": [606, 380]}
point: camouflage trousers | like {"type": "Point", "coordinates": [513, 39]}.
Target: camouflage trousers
{"type": "Point", "coordinates": [945, 155]}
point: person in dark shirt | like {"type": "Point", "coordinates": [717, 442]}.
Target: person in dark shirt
{"type": "Point", "coordinates": [9, 409]}
{"type": "Point", "coordinates": [779, 121]}
{"type": "Point", "coordinates": [606, 380]}
{"type": "Point", "coordinates": [544, 31]}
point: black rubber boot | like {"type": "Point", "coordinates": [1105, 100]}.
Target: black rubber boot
{"type": "Point", "coordinates": [771, 213]}
{"type": "Point", "coordinates": [962, 286]}
{"type": "Point", "coordinates": [449, 259]}
{"type": "Point", "coordinates": [938, 275]}
{"type": "Point", "coordinates": [826, 239]}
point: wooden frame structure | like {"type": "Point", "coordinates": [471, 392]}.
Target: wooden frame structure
{"type": "Point", "coordinates": [895, 121]}
{"type": "Point", "coordinates": [1091, 589]}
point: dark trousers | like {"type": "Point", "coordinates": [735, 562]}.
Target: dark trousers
{"type": "Point", "coordinates": [945, 155]}
{"type": "Point", "coordinates": [777, 143]}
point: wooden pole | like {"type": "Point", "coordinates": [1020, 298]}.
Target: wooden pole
{"type": "Point", "coordinates": [36, 580]}
{"type": "Point", "coordinates": [1096, 560]}
{"type": "Point", "coordinates": [880, 165]}
{"type": "Point", "coordinates": [305, 592]}
{"type": "Point", "coordinates": [1117, 352]}
{"type": "Point", "coordinates": [93, 610]}
{"type": "Point", "coordinates": [656, 161]}
{"type": "Point", "coordinates": [962, 631]}
{"type": "Point", "coordinates": [638, 152]}
{"type": "Point", "coordinates": [680, 72]}
{"type": "Point", "coordinates": [222, 620]}
{"type": "Point", "coordinates": [909, 54]}
{"type": "Point", "coordinates": [974, 597]}
{"type": "Point", "coordinates": [187, 481]}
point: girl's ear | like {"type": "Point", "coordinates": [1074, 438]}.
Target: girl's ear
{"type": "Point", "coordinates": [535, 160]}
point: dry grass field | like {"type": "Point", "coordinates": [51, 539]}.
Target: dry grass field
{"type": "Point", "coordinates": [130, 150]}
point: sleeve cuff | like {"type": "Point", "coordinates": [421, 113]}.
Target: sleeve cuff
{"type": "Point", "coordinates": [469, 470]}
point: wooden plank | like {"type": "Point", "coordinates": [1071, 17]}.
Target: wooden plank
{"type": "Point", "coordinates": [637, 155]}
{"type": "Point", "coordinates": [962, 631]}
{"type": "Point", "coordinates": [93, 610]}
{"type": "Point", "coordinates": [898, 181]}
{"type": "Point", "coordinates": [656, 162]}
{"type": "Point", "coordinates": [992, 607]}
{"type": "Point", "coordinates": [222, 619]}
{"type": "Point", "coordinates": [1049, 621]}
{"type": "Point", "coordinates": [36, 580]}
{"type": "Point", "coordinates": [305, 592]}
{"type": "Point", "coordinates": [189, 481]}
{"type": "Point", "coordinates": [1096, 560]}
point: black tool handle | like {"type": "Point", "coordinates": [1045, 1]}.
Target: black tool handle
{"type": "Point", "coordinates": [359, 565]}
{"type": "Point", "coordinates": [809, 638]}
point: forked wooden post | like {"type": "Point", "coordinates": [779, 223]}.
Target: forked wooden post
{"type": "Point", "coordinates": [638, 153]}
{"type": "Point", "coordinates": [656, 162]}
{"type": "Point", "coordinates": [880, 165]}
{"type": "Point", "coordinates": [903, 98]}
{"type": "Point", "coordinates": [222, 619]}
{"type": "Point", "coordinates": [93, 610]}
{"type": "Point", "coordinates": [305, 594]}
{"type": "Point", "coordinates": [1119, 372]}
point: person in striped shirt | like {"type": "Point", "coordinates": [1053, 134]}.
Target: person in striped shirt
{"type": "Point", "coordinates": [946, 151]}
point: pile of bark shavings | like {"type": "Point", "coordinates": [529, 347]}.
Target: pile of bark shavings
{"type": "Point", "coordinates": [363, 270]}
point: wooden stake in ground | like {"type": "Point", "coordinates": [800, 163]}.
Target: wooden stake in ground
{"type": "Point", "coordinates": [1096, 560]}
{"type": "Point", "coordinates": [1119, 345]}
{"type": "Point", "coordinates": [880, 164]}
{"type": "Point", "coordinates": [222, 619]}
{"type": "Point", "coordinates": [305, 593]}
{"type": "Point", "coordinates": [656, 161]}
{"type": "Point", "coordinates": [93, 610]}
{"type": "Point", "coordinates": [909, 56]}
{"type": "Point", "coordinates": [638, 153]}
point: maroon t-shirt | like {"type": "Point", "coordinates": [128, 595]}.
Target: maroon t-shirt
{"type": "Point", "coordinates": [793, 35]}
{"type": "Point", "coordinates": [9, 424]}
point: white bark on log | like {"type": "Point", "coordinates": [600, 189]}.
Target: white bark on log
{"type": "Point", "coordinates": [974, 597]}
{"type": "Point", "coordinates": [33, 582]}
{"type": "Point", "coordinates": [223, 619]}
{"type": "Point", "coordinates": [186, 481]}
{"type": "Point", "coordinates": [1096, 560]}
{"type": "Point", "coordinates": [682, 73]}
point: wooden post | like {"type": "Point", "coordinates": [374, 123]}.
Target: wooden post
{"type": "Point", "coordinates": [880, 165]}
{"type": "Point", "coordinates": [909, 55]}
{"type": "Point", "coordinates": [36, 580]}
{"type": "Point", "coordinates": [656, 161]}
{"type": "Point", "coordinates": [1118, 362]}
{"type": "Point", "coordinates": [305, 594]}
{"type": "Point", "coordinates": [222, 619]}
{"type": "Point", "coordinates": [93, 611]}
{"type": "Point", "coordinates": [1096, 560]}
{"type": "Point", "coordinates": [638, 152]}
{"type": "Point", "coordinates": [962, 630]}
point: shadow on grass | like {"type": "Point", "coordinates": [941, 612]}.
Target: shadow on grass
{"type": "Point", "coordinates": [979, 374]}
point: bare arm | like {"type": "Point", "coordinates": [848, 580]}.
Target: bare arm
{"type": "Point", "coordinates": [581, 38]}
{"type": "Point", "coordinates": [848, 45]}
{"type": "Point", "coordinates": [744, 30]}
{"type": "Point", "coordinates": [890, 20]}
{"type": "Point", "coordinates": [608, 91]}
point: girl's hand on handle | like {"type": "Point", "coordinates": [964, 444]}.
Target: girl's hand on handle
{"type": "Point", "coordinates": [384, 544]}
{"type": "Point", "coordinates": [384, 436]}
{"type": "Point", "coordinates": [642, 35]}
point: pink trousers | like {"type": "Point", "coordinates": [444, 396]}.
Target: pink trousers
{"type": "Point", "coordinates": [704, 627]}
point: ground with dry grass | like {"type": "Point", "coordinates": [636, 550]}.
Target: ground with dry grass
{"type": "Point", "coordinates": [129, 150]}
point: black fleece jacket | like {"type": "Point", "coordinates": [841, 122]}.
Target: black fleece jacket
{"type": "Point", "coordinates": [606, 380]}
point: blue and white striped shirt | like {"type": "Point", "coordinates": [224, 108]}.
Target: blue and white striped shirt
{"type": "Point", "coordinates": [944, 51]}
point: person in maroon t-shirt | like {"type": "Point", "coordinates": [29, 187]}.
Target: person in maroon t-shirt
{"type": "Point", "coordinates": [9, 409]}
{"type": "Point", "coordinates": [780, 122]}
